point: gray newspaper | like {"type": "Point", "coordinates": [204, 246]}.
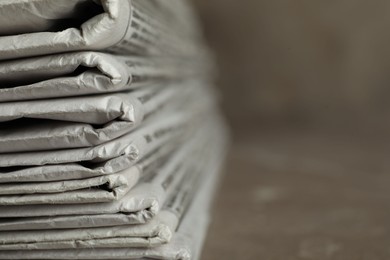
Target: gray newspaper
{"type": "Point", "coordinates": [122, 26]}
{"type": "Point", "coordinates": [99, 189]}
{"type": "Point", "coordinates": [157, 232]}
{"type": "Point", "coordinates": [86, 73]}
{"type": "Point", "coordinates": [86, 121]}
{"type": "Point", "coordinates": [89, 190]}
{"type": "Point", "coordinates": [138, 206]}
{"type": "Point", "coordinates": [131, 146]}
{"type": "Point", "coordinates": [110, 141]}
{"type": "Point", "coordinates": [184, 243]}
{"type": "Point", "coordinates": [77, 171]}
{"type": "Point", "coordinates": [147, 195]}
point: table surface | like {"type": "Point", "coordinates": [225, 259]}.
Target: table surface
{"type": "Point", "coordinates": [292, 193]}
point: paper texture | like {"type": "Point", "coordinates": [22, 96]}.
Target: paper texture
{"type": "Point", "coordinates": [186, 242]}
{"type": "Point", "coordinates": [76, 171]}
{"type": "Point", "coordinates": [110, 140]}
{"type": "Point", "coordinates": [86, 121]}
{"type": "Point", "coordinates": [133, 145]}
{"type": "Point", "coordinates": [86, 73]}
{"type": "Point", "coordinates": [137, 26]}
{"type": "Point", "coordinates": [148, 195]}
{"type": "Point", "coordinates": [98, 189]}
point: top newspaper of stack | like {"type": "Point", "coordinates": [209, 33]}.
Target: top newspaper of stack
{"type": "Point", "coordinates": [147, 27]}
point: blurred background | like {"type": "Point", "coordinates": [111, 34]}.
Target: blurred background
{"type": "Point", "coordinates": [305, 89]}
{"type": "Point", "coordinates": [300, 60]}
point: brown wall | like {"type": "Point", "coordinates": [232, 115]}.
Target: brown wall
{"type": "Point", "coordinates": [310, 60]}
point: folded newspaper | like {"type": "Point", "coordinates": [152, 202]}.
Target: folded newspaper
{"type": "Point", "coordinates": [87, 121]}
{"type": "Point", "coordinates": [157, 232]}
{"type": "Point", "coordinates": [130, 146]}
{"type": "Point", "coordinates": [123, 26]}
{"type": "Point", "coordinates": [86, 73]}
{"type": "Point", "coordinates": [75, 171]}
{"type": "Point", "coordinates": [185, 244]}
{"type": "Point", "coordinates": [145, 198]}
{"type": "Point", "coordinates": [98, 189]}
{"type": "Point", "coordinates": [174, 216]}
{"type": "Point", "coordinates": [110, 139]}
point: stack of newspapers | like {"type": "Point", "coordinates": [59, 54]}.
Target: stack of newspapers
{"type": "Point", "coordinates": [110, 137]}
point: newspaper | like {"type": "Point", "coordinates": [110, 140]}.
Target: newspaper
{"type": "Point", "coordinates": [94, 109]}
{"type": "Point", "coordinates": [90, 190]}
{"type": "Point", "coordinates": [147, 196]}
{"type": "Point", "coordinates": [85, 73]}
{"type": "Point", "coordinates": [150, 163]}
{"type": "Point", "coordinates": [133, 145]}
{"type": "Point", "coordinates": [155, 233]}
{"type": "Point", "coordinates": [77, 171]}
{"type": "Point", "coordinates": [86, 121]}
{"type": "Point", "coordinates": [124, 26]}
{"type": "Point", "coordinates": [186, 242]}
{"type": "Point", "coordinates": [98, 189]}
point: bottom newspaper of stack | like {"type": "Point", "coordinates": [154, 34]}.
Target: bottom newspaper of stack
{"type": "Point", "coordinates": [158, 208]}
